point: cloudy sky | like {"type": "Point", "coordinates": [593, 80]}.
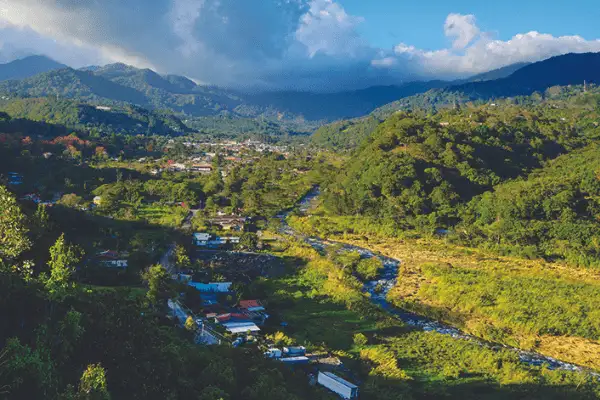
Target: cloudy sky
{"type": "Point", "coordinates": [299, 44]}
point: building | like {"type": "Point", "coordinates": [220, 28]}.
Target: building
{"type": "Point", "coordinates": [207, 240]}
{"type": "Point", "coordinates": [240, 327]}
{"type": "Point", "coordinates": [213, 287]}
{"type": "Point", "coordinates": [338, 385]}
{"type": "Point", "coordinates": [229, 223]}
{"type": "Point", "coordinates": [251, 305]}
{"type": "Point", "coordinates": [202, 168]}
{"type": "Point", "coordinates": [113, 259]}
{"type": "Point", "coordinates": [97, 200]}
{"type": "Point", "coordinates": [201, 239]}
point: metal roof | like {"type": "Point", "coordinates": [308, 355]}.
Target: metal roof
{"type": "Point", "coordinates": [340, 380]}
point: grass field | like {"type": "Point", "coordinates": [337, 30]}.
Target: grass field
{"type": "Point", "coordinates": [393, 361]}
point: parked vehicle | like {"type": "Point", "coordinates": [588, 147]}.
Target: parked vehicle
{"type": "Point", "coordinates": [338, 385]}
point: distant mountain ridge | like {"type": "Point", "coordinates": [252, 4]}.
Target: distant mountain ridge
{"type": "Point", "coordinates": [120, 83]}
{"type": "Point", "coordinates": [522, 80]}
{"type": "Point", "coordinates": [27, 67]}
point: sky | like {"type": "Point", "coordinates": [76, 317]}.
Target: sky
{"type": "Point", "coordinates": [323, 45]}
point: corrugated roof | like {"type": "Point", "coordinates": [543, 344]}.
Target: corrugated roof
{"type": "Point", "coordinates": [340, 380]}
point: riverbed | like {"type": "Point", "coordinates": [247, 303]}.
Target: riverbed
{"type": "Point", "coordinates": [379, 289]}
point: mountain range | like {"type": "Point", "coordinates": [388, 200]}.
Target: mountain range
{"type": "Point", "coordinates": [122, 85]}
{"type": "Point", "coordinates": [117, 84]}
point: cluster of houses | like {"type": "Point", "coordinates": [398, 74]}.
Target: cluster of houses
{"type": "Point", "coordinates": [245, 317]}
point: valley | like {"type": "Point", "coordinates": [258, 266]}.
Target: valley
{"type": "Point", "coordinates": [175, 240]}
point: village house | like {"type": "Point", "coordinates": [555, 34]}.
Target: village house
{"type": "Point", "coordinates": [229, 223]}
{"type": "Point", "coordinates": [112, 259]}
{"type": "Point", "coordinates": [201, 239]}
{"type": "Point", "coordinates": [212, 287]}
{"type": "Point", "coordinates": [202, 168]}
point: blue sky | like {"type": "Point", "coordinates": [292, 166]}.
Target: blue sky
{"type": "Point", "coordinates": [300, 44]}
{"type": "Point", "coordinates": [389, 21]}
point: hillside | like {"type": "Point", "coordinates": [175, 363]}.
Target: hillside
{"type": "Point", "coordinates": [416, 170]}
{"type": "Point", "coordinates": [550, 79]}
{"type": "Point", "coordinates": [120, 83]}
{"type": "Point", "coordinates": [74, 115]}
{"type": "Point", "coordinates": [27, 67]}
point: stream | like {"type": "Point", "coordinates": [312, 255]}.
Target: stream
{"type": "Point", "coordinates": [379, 289]}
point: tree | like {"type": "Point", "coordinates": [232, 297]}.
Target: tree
{"type": "Point", "coordinates": [368, 269]}
{"type": "Point", "coordinates": [13, 230]}
{"type": "Point", "coordinates": [360, 340]}
{"type": "Point", "coordinates": [182, 260]}
{"type": "Point", "coordinates": [63, 257]}
{"type": "Point", "coordinates": [249, 241]}
{"type": "Point", "coordinates": [159, 284]}
{"type": "Point", "coordinates": [190, 324]}
{"type": "Point", "coordinates": [92, 385]}
{"type": "Point", "coordinates": [41, 220]}
{"type": "Point", "coordinates": [71, 200]}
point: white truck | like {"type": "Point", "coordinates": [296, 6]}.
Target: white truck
{"type": "Point", "coordinates": [338, 385]}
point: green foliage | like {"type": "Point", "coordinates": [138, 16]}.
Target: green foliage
{"type": "Point", "coordinates": [182, 260]}
{"type": "Point", "coordinates": [13, 231]}
{"type": "Point", "coordinates": [369, 268]}
{"type": "Point", "coordinates": [63, 258]}
{"type": "Point", "coordinates": [159, 284]}
{"type": "Point", "coordinates": [92, 385]}
{"type": "Point", "coordinates": [249, 241]}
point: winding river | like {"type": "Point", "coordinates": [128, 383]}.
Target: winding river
{"type": "Point", "coordinates": [378, 290]}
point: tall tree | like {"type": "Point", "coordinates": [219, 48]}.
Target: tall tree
{"type": "Point", "coordinates": [63, 257]}
{"type": "Point", "coordinates": [92, 385]}
{"type": "Point", "coordinates": [13, 229]}
{"type": "Point", "coordinates": [159, 284]}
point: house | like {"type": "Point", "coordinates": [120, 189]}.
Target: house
{"type": "Point", "coordinates": [201, 239]}
{"type": "Point", "coordinates": [97, 200]}
{"type": "Point", "coordinates": [229, 223]}
{"type": "Point", "coordinates": [251, 305]}
{"type": "Point", "coordinates": [202, 168]}
{"type": "Point", "coordinates": [213, 287]}
{"type": "Point", "coordinates": [240, 327]}
{"type": "Point", "coordinates": [231, 239]}
{"type": "Point", "coordinates": [113, 259]}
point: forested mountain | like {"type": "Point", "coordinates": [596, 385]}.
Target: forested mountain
{"type": "Point", "coordinates": [120, 83]}
{"type": "Point", "coordinates": [542, 79]}
{"type": "Point", "coordinates": [63, 115]}
{"type": "Point", "coordinates": [420, 171]}
{"type": "Point", "coordinates": [499, 73]}
{"type": "Point", "coordinates": [27, 67]}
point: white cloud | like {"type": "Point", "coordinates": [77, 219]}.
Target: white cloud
{"type": "Point", "coordinates": [474, 51]}
{"type": "Point", "coordinates": [326, 28]}
{"type": "Point", "coordinates": [296, 44]}
{"type": "Point", "coordinates": [462, 28]}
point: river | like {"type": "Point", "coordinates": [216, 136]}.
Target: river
{"type": "Point", "coordinates": [379, 289]}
